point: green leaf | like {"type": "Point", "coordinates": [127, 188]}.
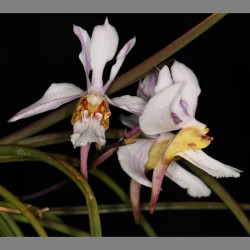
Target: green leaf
{"type": "Point", "coordinates": [71, 172]}
{"type": "Point", "coordinates": [16, 231]}
{"type": "Point", "coordinates": [24, 210]}
{"type": "Point", "coordinates": [56, 226]}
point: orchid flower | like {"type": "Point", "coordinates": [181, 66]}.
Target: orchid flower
{"type": "Point", "coordinates": [172, 106]}
{"type": "Point", "coordinates": [91, 116]}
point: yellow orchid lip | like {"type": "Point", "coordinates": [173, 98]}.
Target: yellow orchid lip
{"type": "Point", "coordinates": [166, 150]}
{"type": "Point", "coordinates": [94, 104]}
{"type": "Point", "coordinates": [187, 138]}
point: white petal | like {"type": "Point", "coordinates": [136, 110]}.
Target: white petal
{"type": "Point", "coordinates": [103, 46]}
{"type": "Point", "coordinates": [156, 117]}
{"type": "Point", "coordinates": [147, 85]}
{"type": "Point", "coordinates": [195, 187]}
{"type": "Point", "coordinates": [130, 121]}
{"type": "Point", "coordinates": [85, 53]}
{"type": "Point", "coordinates": [119, 61]}
{"type": "Point", "coordinates": [164, 79]}
{"type": "Point", "coordinates": [56, 95]}
{"type": "Point", "coordinates": [208, 164]}
{"type": "Point", "coordinates": [133, 104]}
{"type": "Point", "coordinates": [190, 90]}
{"type": "Point", "coordinates": [133, 159]}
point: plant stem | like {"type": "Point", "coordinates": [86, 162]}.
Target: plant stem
{"type": "Point", "coordinates": [141, 69]}
{"type": "Point", "coordinates": [71, 172]}
{"type": "Point", "coordinates": [24, 210]}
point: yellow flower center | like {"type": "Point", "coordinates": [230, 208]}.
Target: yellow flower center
{"type": "Point", "coordinates": [187, 138]}
{"type": "Point", "coordinates": [94, 103]}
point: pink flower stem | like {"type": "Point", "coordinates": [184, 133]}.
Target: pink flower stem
{"type": "Point", "coordinates": [84, 151]}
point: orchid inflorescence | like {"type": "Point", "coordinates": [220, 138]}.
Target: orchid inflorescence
{"type": "Point", "coordinates": [164, 111]}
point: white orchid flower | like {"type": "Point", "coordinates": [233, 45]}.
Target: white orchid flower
{"type": "Point", "coordinates": [91, 116]}
{"type": "Point", "coordinates": [171, 107]}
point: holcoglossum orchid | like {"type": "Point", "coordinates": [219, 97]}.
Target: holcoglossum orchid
{"type": "Point", "coordinates": [91, 116]}
{"type": "Point", "coordinates": [172, 107]}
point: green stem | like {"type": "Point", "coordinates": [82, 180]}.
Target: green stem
{"type": "Point", "coordinates": [141, 69]}
{"type": "Point", "coordinates": [61, 137]}
{"type": "Point", "coordinates": [5, 228]}
{"type": "Point", "coordinates": [43, 123]}
{"type": "Point", "coordinates": [56, 226]}
{"type": "Point", "coordinates": [112, 185]}
{"type": "Point", "coordinates": [161, 206]}
{"type": "Point", "coordinates": [12, 224]}
{"type": "Point", "coordinates": [71, 172]}
{"type": "Point", "coordinates": [46, 139]}
{"type": "Point", "coordinates": [23, 209]}
{"type": "Point", "coordinates": [223, 195]}
{"type": "Point", "coordinates": [34, 210]}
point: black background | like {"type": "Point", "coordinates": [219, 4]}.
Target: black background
{"type": "Point", "coordinates": [38, 49]}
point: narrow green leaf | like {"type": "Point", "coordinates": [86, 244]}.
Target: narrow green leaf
{"type": "Point", "coordinates": [141, 69]}
{"type": "Point", "coordinates": [161, 206]}
{"type": "Point", "coordinates": [45, 215]}
{"type": "Point", "coordinates": [56, 226]}
{"type": "Point", "coordinates": [43, 123]}
{"type": "Point", "coordinates": [112, 185]}
{"type": "Point", "coordinates": [46, 139]}
{"type": "Point", "coordinates": [24, 210]}
{"type": "Point", "coordinates": [12, 224]}
{"type": "Point", "coordinates": [5, 228]}
{"type": "Point", "coordinates": [71, 172]}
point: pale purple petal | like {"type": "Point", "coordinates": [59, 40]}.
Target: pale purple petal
{"type": "Point", "coordinates": [208, 164]}
{"type": "Point", "coordinates": [56, 95]}
{"type": "Point", "coordinates": [103, 46]}
{"type": "Point", "coordinates": [147, 85]}
{"type": "Point", "coordinates": [157, 116]}
{"type": "Point", "coordinates": [133, 159]}
{"type": "Point", "coordinates": [133, 104]}
{"type": "Point", "coordinates": [85, 53]}
{"type": "Point", "coordinates": [186, 102]}
{"type": "Point", "coordinates": [119, 61]}
{"type": "Point", "coordinates": [195, 187]}
{"type": "Point", "coordinates": [164, 79]}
